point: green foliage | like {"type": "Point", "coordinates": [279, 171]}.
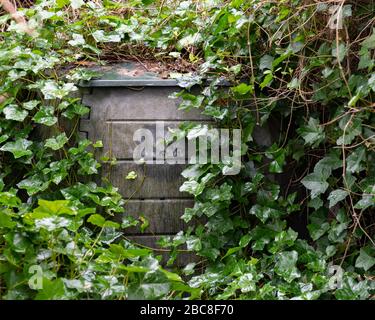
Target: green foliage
{"type": "Point", "coordinates": [281, 63]}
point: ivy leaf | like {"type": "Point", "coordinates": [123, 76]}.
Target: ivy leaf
{"type": "Point", "coordinates": [132, 175]}
{"type": "Point", "coordinates": [371, 82]}
{"type": "Point", "coordinates": [351, 129]}
{"type": "Point", "coordinates": [30, 105]}
{"type": "Point", "coordinates": [339, 52]}
{"type": "Point", "coordinates": [282, 240]}
{"type": "Point", "coordinates": [244, 241]}
{"type": "Point", "coordinates": [88, 165]}
{"type": "Point", "coordinates": [194, 244]}
{"type": "Point", "coordinates": [192, 187]}
{"type": "Point", "coordinates": [354, 160]}
{"type": "Point", "coordinates": [266, 62]}
{"type": "Point", "coordinates": [191, 39]}
{"type": "Point", "coordinates": [365, 259]}
{"type": "Point", "coordinates": [76, 4]}
{"type": "Point", "coordinates": [98, 144]}
{"type": "Point", "coordinates": [191, 101]}
{"type": "Point", "coordinates": [52, 223]}
{"type": "Point", "coordinates": [267, 80]}
{"type": "Point", "coordinates": [52, 90]}
{"type": "Point", "coordinates": [6, 220]}
{"type": "Point", "coordinates": [247, 282]}
{"type": "Point", "coordinates": [369, 42]}
{"type": "Point", "coordinates": [45, 116]}
{"type": "Point", "coordinates": [19, 148]}
{"type": "Point", "coordinates": [350, 289]}
{"type": "Point", "coordinates": [278, 155]}
{"type": "Point", "coordinates": [264, 213]}
{"type": "Point", "coordinates": [316, 183]}
{"type": "Point", "coordinates": [78, 40]}
{"type": "Point", "coordinates": [100, 36]}
{"type": "Point", "coordinates": [325, 166]}
{"type": "Point", "coordinates": [57, 142]}
{"type": "Point", "coordinates": [3, 138]}
{"type": "Point", "coordinates": [13, 112]}
{"type": "Point", "coordinates": [231, 251]}
{"type": "Point", "coordinates": [313, 133]}
{"type": "Point", "coordinates": [33, 185]}
{"type": "Point", "coordinates": [75, 109]}
{"type": "Point", "coordinates": [97, 219]}
{"type": "Point", "coordinates": [286, 265]}
{"type": "Point", "coordinates": [318, 230]}
{"type": "Point", "coordinates": [315, 203]}
{"type": "Point", "coordinates": [337, 232]}
{"type": "Point", "coordinates": [189, 268]}
{"type": "Point", "coordinates": [243, 89]}
{"type": "Point", "coordinates": [56, 207]}
{"type": "Point", "coordinates": [337, 196]}
{"type": "Point", "coordinates": [145, 223]}
{"type": "Point", "coordinates": [52, 290]}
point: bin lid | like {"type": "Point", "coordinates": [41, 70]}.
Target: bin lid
{"type": "Point", "coordinates": [127, 74]}
{"type": "Point", "coordinates": [136, 74]}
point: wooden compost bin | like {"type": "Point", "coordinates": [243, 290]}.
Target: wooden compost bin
{"type": "Point", "coordinates": [120, 102]}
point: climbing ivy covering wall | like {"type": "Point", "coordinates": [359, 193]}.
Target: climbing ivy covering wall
{"type": "Point", "coordinates": [305, 67]}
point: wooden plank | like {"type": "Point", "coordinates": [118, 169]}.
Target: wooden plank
{"type": "Point", "coordinates": [164, 216]}
{"type": "Point", "coordinates": [155, 181]}
{"type": "Point", "coordinates": [137, 104]}
{"type": "Point", "coordinates": [118, 136]}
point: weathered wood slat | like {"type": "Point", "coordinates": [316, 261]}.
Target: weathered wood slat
{"type": "Point", "coordinates": [138, 104]}
{"type": "Point", "coordinates": [164, 216]}
{"type": "Point", "coordinates": [160, 180]}
{"type": "Point", "coordinates": [118, 136]}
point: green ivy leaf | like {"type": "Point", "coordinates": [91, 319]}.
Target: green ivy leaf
{"type": "Point", "coordinates": [316, 183]}
{"type": "Point", "coordinates": [369, 42]}
{"type": "Point", "coordinates": [192, 187]}
{"type": "Point", "coordinates": [6, 220]}
{"type": "Point", "coordinates": [30, 105]}
{"type": "Point", "coordinates": [355, 159]}
{"type": "Point", "coordinates": [337, 196]}
{"type": "Point", "coordinates": [132, 175]}
{"type": "Point", "coordinates": [266, 62]}
{"type": "Point", "coordinates": [243, 89]}
{"type": "Point", "coordinates": [350, 289]}
{"type": "Point", "coordinates": [56, 207]}
{"type": "Point", "coordinates": [318, 230]}
{"type": "Point", "coordinates": [313, 133]}
{"type": "Point", "coordinates": [13, 112]}
{"type": "Point", "coordinates": [351, 128]}
{"type": "Point", "coordinates": [339, 52]}
{"type": "Point", "coordinates": [96, 219]}
{"type": "Point", "coordinates": [18, 148]}
{"type": "Point", "coordinates": [366, 259]}
{"type": "Point", "coordinates": [286, 265]}
{"type": "Point", "coordinates": [45, 116]}
{"type": "Point", "coordinates": [278, 155]}
{"type": "Point", "coordinates": [264, 213]}
{"type": "Point", "coordinates": [267, 80]}
{"type": "Point", "coordinates": [52, 290]}
{"type": "Point", "coordinates": [33, 185]}
{"type": "Point", "coordinates": [57, 142]}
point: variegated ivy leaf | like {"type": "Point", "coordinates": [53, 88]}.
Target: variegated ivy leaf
{"type": "Point", "coordinates": [57, 142]}
{"type": "Point", "coordinates": [18, 148]}
{"type": "Point", "coordinates": [14, 112]}
{"type": "Point", "coordinates": [337, 196]}
{"type": "Point", "coordinates": [45, 116]}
